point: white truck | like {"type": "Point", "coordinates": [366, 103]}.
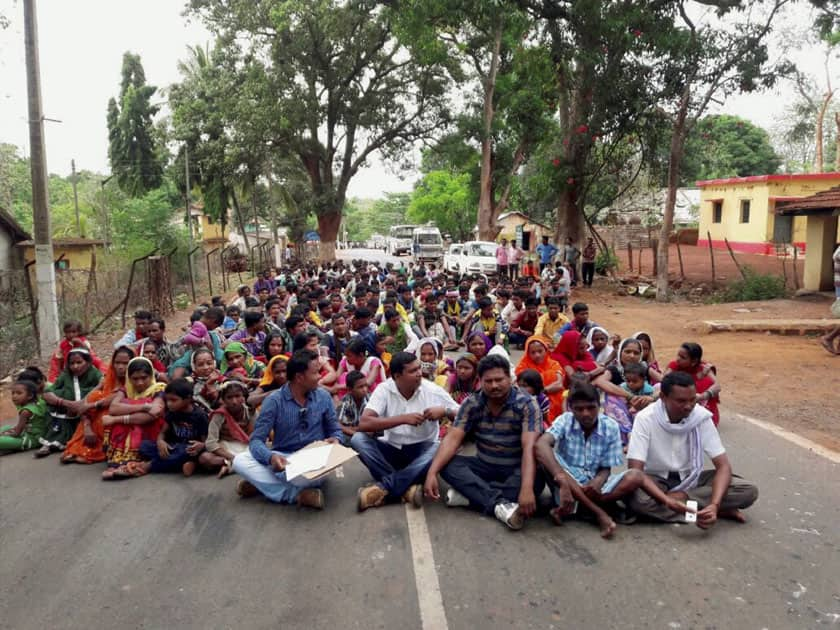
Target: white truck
{"type": "Point", "coordinates": [400, 239]}
{"type": "Point", "coordinates": [471, 257]}
{"type": "Point", "coordinates": [427, 244]}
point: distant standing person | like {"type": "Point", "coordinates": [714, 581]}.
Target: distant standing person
{"type": "Point", "coordinates": [515, 254]}
{"type": "Point", "coordinates": [502, 259]}
{"type": "Point", "coordinates": [546, 251]}
{"type": "Point", "coordinates": [571, 254]}
{"type": "Point", "coordinates": [829, 342]}
{"type": "Point", "coordinates": [589, 254]}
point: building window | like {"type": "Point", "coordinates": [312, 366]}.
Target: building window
{"type": "Point", "coordinates": [717, 212]}
{"type": "Point", "coordinates": [745, 211]}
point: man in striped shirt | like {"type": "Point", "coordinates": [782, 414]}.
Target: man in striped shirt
{"type": "Point", "coordinates": [502, 479]}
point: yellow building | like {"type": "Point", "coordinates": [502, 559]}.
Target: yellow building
{"type": "Point", "coordinates": [513, 223]}
{"type": "Point", "coordinates": [744, 210]}
{"type": "Point", "coordinates": [68, 253]}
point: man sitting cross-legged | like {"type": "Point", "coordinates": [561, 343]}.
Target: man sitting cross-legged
{"type": "Point", "coordinates": [408, 409]}
{"type": "Point", "coordinates": [668, 441]}
{"type": "Point", "coordinates": [299, 413]}
{"type": "Point", "coordinates": [503, 478]}
{"type": "Point", "coordinates": [577, 453]}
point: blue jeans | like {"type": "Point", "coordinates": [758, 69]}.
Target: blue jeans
{"type": "Point", "coordinates": [486, 485]}
{"type": "Point", "coordinates": [394, 468]}
{"type": "Point", "coordinates": [272, 484]}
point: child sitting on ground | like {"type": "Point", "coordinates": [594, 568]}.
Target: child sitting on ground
{"type": "Point", "coordinates": [274, 377]}
{"type": "Point", "coordinates": [350, 408]}
{"type": "Point", "coordinates": [181, 440]}
{"type": "Point", "coordinates": [635, 384]}
{"type": "Point", "coordinates": [230, 428]}
{"type": "Point", "coordinates": [232, 319]}
{"type": "Point", "coordinates": [73, 338]}
{"type": "Point", "coordinates": [531, 382]}
{"type": "Point", "coordinates": [31, 421]}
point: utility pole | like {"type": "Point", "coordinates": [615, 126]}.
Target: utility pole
{"type": "Point", "coordinates": [76, 200]}
{"type": "Point", "coordinates": [189, 217]}
{"type": "Point", "coordinates": [44, 270]}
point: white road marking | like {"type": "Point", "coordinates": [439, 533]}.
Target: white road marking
{"type": "Point", "coordinates": [432, 613]}
{"type": "Point", "coordinates": [805, 443]}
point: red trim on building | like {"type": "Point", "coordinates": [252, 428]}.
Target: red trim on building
{"type": "Point", "coordinates": [754, 179]}
{"type": "Point", "coordinates": [743, 247]}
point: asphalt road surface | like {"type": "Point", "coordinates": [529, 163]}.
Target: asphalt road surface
{"type": "Point", "coordinates": [167, 552]}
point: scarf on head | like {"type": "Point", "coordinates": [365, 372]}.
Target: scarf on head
{"type": "Point", "coordinates": [651, 355]}
{"type": "Point", "coordinates": [617, 362]}
{"type": "Point", "coordinates": [250, 364]}
{"type": "Point", "coordinates": [110, 383]}
{"type": "Point", "coordinates": [689, 427]}
{"type": "Point", "coordinates": [70, 387]}
{"type": "Point", "coordinates": [605, 352]}
{"type": "Point", "coordinates": [488, 343]}
{"type": "Point", "coordinates": [152, 390]}
{"type": "Point", "coordinates": [268, 375]}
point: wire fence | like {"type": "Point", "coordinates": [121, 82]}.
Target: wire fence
{"type": "Point", "coordinates": [104, 297]}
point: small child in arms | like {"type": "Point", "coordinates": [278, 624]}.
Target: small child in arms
{"type": "Point", "coordinates": [352, 404]}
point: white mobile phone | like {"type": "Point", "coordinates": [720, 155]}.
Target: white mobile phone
{"type": "Point", "coordinates": [691, 517]}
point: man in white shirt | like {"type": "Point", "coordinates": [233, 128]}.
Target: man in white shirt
{"type": "Point", "coordinates": [408, 409]}
{"type": "Point", "coordinates": [668, 442]}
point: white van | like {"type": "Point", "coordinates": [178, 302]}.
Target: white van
{"type": "Point", "coordinates": [400, 239]}
{"type": "Point", "coordinates": [473, 257]}
{"type": "Point", "coordinates": [427, 244]}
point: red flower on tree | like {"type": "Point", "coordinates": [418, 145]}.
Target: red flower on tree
{"type": "Point", "coordinates": [556, 161]}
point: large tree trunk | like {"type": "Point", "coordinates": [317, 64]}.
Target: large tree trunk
{"type": "Point", "coordinates": [487, 229]}
{"type": "Point", "coordinates": [674, 160]}
{"type": "Point", "coordinates": [240, 220]}
{"type": "Point", "coordinates": [569, 216]}
{"type": "Point", "coordinates": [328, 226]}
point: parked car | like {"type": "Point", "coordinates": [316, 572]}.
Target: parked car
{"type": "Point", "coordinates": [452, 257]}
{"type": "Point", "coordinates": [473, 257]}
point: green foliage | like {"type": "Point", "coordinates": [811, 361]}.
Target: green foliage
{"type": "Point", "coordinates": [606, 261]}
{"type": "Point", "coordinates": [445, 199]}
{"type": "Point", "coordinates": [364, 217]}
{"type": "Point", "coordinates": [727, 146]}
{"type": "Point", "coordinates": [755, 286]}
{"type": "Point", "coordinates": [132, 151]}
{"type": "Point", "coordinates": [323, 81]}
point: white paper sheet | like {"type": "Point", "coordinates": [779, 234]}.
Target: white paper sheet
{"type": "Point", "coordinates": [306, 460]}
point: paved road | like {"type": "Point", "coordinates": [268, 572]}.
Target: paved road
{"type": "Point", "coordinates": [376, 255]}
{"type": "Point", "coordinates": [172, 552]}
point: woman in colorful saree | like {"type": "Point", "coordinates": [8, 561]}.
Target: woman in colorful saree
{"type": "Point", "coordinates": [85, 447]}
{"type": "Point", "coordinates": [135, 414]}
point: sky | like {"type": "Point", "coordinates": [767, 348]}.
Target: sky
{"type": "Point", "coordinates": [81, 47]}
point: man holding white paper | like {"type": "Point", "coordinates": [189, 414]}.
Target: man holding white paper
{"type": "Point", "coordinates": [299, 413]}
{"type": "Point", "coordinates": [668, 442]}
{"type": "Point", "coordinates": [408, 408]}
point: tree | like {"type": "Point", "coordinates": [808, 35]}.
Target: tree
{"type": "Point", "coordinates": [444, 198]}
{"type": "Point", "coordinates": [727, 146]}
{"type": "Point", "coordinates": [611, 63]}
{"type": "Point", "coordinates": [327, 82]}
{"type": "Point", "coordinates": [715, 59]}
{"type": "Point", "coordinates": [507, 83]}
{"type": "Point", "coordinates": [132, 151]}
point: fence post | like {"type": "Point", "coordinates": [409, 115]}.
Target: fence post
{"type": "Point", "coordinates": [209, 275]}
{"type": "Point", "coordinates": [795, 273]}
{"type": "Point", "coordinates": [630, 255]}
{"type": "Point", "coordinates": [130, 283]}
{"type": "Point", "coordinates": [679, 255]}
{"type": "Point", "coordinates": [712, 255]}
{"type": "Point", "coordinates": [33, 304]}
{"type": "Point", "coordinates": [735, 260]}
{"type": "Point", "coordinates": [189, 264]}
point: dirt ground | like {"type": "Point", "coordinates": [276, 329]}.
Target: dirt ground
{"type": "Point", "coordinates": [698, 266]}
{"type": "Point", "coordinates": [790, 381]}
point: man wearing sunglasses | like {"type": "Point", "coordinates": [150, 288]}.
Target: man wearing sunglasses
{"type": "Point", "coordinates": [299, 413]}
